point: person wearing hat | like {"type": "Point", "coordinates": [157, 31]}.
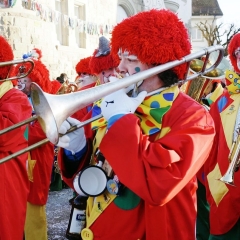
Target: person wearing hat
{"type": "Point", "coordinates": [85, 76]}
{"type": "Point", "coordinates": [224, 195]}
{"type": "Point", "coordinates": [14, 185]}
{"type": "Point", "coordinates": [102, 63]}
{"type": "Point", "coordinates": [93, 71]}
{"type": "Point", "coordinates": [155, 145]}
{"type": "Point", "coordinates": [40, 160]}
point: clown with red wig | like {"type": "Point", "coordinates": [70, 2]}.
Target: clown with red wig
{"type": "Point", "coordinates": [224, 199]}
{"type": "Point", "coordinates": [40, 160]}
{"type": "Point", "coordinates": [152, 146]}
{"type": "Point", "coordinates": [85, 76]}
{"type": "Point", "coordinates": [14, 184]}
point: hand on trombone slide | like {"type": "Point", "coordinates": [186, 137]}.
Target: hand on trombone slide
{"type": "Point", "coordinates": [74, 141]}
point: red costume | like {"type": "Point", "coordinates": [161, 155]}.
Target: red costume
{"type": "Point", "coordinates": [157, 199]}
{"type": "Point", "coordinates": [40, 160]}
{"type": "Point", "coordinates": [224, 199]}
{"type": "Point", "coordinates": [14, 184]}
{"type": "Point", "coordinates": [155, 154]}
{"type": "Point", "coordinates": [224, 212]}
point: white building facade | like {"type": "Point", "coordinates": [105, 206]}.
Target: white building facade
{"type": "Point", "coordinates": [68, 30]}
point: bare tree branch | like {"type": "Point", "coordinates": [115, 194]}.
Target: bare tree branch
{"type": "Point", "coordinates": [211, 33]}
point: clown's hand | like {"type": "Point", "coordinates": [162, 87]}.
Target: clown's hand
{"type": "Point", "coordinates": [119, 104]}
{"type": "Point", "coordinates": [74, 141]}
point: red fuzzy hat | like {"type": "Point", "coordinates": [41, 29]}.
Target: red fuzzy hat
{"type": "Point", "coordinates": [233, 45]}
{"type": "Point", "coordinates": [6, 54]}
{"type": "Point", "coordinates": [83, 66]}
{"type": "Point", "coordinates": [155, 37]}
{"type": "Point", "coordinates": [102, 59]}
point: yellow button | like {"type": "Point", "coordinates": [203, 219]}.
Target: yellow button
{"type": "Point", "coordinates": [87, 234]}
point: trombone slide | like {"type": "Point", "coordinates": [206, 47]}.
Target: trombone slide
{"type": "Point", "coordinates": [52, 110]}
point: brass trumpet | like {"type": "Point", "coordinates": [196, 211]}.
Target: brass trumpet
{"type": "Point", "coordinates": [14, 62]}
{"type": "Point", "coordinates": [51, 116]}
{"type": "Point", "coordinates": [67, 87]}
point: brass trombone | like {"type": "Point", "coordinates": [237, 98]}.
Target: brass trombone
{"type": "Point", "coordinates": [14, 62]}
{"type": "Point", "coordinates": [51, 116]}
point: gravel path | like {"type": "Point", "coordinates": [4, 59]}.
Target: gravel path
{"type": "Point", "coordinates": [58, 212]}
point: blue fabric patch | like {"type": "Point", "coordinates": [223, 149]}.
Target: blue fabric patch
{"type": "Point", "coordinates": [153, 130]}
{"type": "Point", "coordinates": [77, 156]}
{"type": "Point", "coordinates": [168, 96]}
{"type": "Point", "coordinates": [222, 103]}
{"type": "Point", "coordinates": [89, 108]}
{"type": "Point", "coordinates": [96, 110]}
{"type": "Point", "coordinates": [113, 119]}
{"type": "Point", "coordinates": [155, 104]}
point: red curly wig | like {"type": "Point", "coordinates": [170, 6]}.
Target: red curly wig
{"type": "Point", "coordinates": [155, 37]}
{"type": "Point", "coordinates": [233, 45]}
{"type": "Point", "coordinates": [99, 64]}
{"type": "Point", "coordinates": [6, 54]}
{"type": "Point", "coordinates": [83, 66]}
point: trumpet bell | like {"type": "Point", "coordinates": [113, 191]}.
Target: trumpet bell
{"type": "Point", "coordinates": [228, 179]}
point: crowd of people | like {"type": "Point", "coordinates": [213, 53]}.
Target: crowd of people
{"type": "Point", "coordinates": [153, 166]}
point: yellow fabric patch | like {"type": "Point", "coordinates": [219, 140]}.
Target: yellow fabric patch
{"type": "Point", "coordinates": [228, 118]}
{"type": "Point", "coordinates": [217, 93]}
{"type": "Point", "coordinates": [217, 188]}
{"type": "Point", "coordinates": [36, 222]}
{"type": "Point", "coordinates": [95, 206]}
{"type": "Point", "coordinates": [5, 87]}
{"type": "Point", "coordinates": [164, 131]}
{"type": "Point", "coordinates": [232, 82]}
{"type": "Point", "coordinates": [31, 165]}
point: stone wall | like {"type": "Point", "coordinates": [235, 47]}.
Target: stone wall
{"type": "Point", "coordinates": [26, 29]}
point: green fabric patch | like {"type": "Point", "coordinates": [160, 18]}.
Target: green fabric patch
{"type": "Point", "coordinates": [26, 133]}
{"type": "Point", "coordinates": [128, 200]}
{"type": "Point", "coordinates": [157, 113]}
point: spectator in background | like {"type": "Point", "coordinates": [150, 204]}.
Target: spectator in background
{"type": "Point", "coordinates": [85, 78]}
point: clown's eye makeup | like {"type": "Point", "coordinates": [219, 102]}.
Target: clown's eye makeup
{"type": "Point", "coordinates": [103, 73]}
{"type": "Point", "coordinates": [132, 58]}
{"type": "Point", "coordinates": [237, 52]}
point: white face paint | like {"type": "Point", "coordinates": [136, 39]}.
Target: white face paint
{"type": "Point", "coordinates": [237, 54]}
{"type": "Point", "coordinates": [104, 75]}
{"type": "Point", "coordinates": [130, 64]}
{"type": "Point", "coordinates": [84, 80]}
{"type": "Point", "coordinates": [134, 62]}
{"type": "Point", "coordinates": [24, 85]}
